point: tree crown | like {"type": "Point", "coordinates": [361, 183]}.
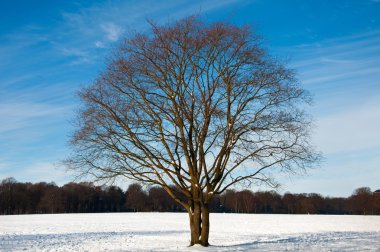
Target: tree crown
{"type": "Point", "coordinates": [194, 105]}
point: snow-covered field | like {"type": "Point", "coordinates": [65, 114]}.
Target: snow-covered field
{"type": "Point", "coordinates": [169, 232]}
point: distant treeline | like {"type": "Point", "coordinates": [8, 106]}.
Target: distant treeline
{"type": "Point", "coordinates": [37, 198]}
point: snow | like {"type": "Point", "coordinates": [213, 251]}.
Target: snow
{"type": "Point", "coordinates": [169, 232]}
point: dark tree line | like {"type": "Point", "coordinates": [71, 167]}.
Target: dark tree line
{"type": "Point", "coordinates": [362, 201]}
{"type": "Point", "coordinates": [84, 197]}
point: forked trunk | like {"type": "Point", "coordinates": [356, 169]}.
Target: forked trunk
{"type": "Point", "coordinates": [199, 225]}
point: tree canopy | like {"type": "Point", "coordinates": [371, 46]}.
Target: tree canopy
{"type": "Point", "coordinates": [194, 108]}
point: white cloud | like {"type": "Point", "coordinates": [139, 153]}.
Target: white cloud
{"type": "Point", "coordinates": [99, 44]}
{"type": "Point", "coordinates": [112, 31]}
{"type": "Point", "coordinates": [107, 22]}
{"type": "Point", "coordinates": [73, 52]}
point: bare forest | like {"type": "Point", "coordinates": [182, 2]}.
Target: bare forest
{"type": "Point", "coordinates": [48, 198]}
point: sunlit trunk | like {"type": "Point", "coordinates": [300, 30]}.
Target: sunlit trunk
{"type": "Point", "coordinates": [205, 225]}
{"type": "Point", "coordinates": [195, 222]}
{"type": "Point", "coordinates": [199, 224]}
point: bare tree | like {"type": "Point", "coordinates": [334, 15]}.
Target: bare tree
{"type": "Point", "coordinates": [194, 108]}
{"type": "Point", "coordinates": [362, 200]}
{"type": "Point", "coordinates": [136, 199]}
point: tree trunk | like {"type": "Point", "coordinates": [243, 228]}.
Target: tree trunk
{"type": "Point", "coordinates": [199, 224]}
{"type": "Point", "coordinates": [205, 225]}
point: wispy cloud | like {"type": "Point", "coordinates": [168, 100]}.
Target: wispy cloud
{"type": "Point", "coordinates": [337, 57]}
{"type": "Point", "coordinates": [18, 115]}
{"type": "Point", "coordinates": [343, 73]}
{"type": "Point", "coordinates": [43, 66]}
{"type": "Point", "coordinates": [355, 129]}
{"type": "Point", "coordinates": [112, 31]}
{"type": "Point", "coordinates": [100, 26]}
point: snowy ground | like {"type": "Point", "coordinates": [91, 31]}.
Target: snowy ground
{"type": "Point", "coordinates": [169, 232]}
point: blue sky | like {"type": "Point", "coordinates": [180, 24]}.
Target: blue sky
{"type": "Point", "coordinates": [51, 48]}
